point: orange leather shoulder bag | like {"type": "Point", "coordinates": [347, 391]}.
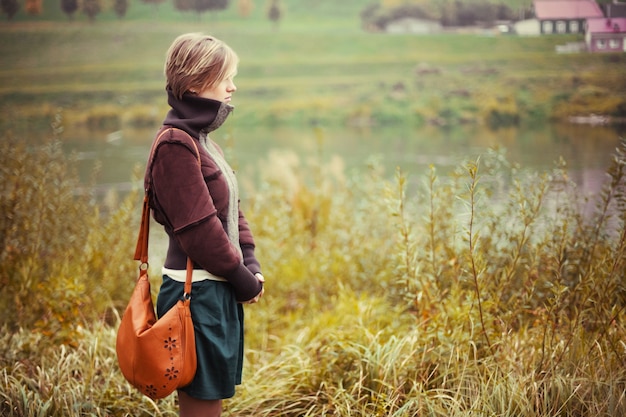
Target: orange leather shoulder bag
{"type": "Point", "coordinates": [156, 356]}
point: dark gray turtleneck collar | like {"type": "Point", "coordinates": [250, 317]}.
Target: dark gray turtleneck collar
{"type": "Point", "coordinates": [195, 114]}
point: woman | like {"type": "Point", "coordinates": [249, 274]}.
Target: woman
{"type": "Point", "coordinates": [198, 206]}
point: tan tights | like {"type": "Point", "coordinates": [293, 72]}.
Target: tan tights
{"type": "Point", "coordinates": [192, 407]}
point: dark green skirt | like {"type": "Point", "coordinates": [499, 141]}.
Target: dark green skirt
{"type": "Point", "coordinates": [218, 325]}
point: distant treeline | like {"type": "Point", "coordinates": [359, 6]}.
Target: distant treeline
{"type": "Point", "coordinates": [375, 15]}
{"type": "Point", "coordinates": [454, 13]}
{"type": "Point", "coordinates": [91, 8]}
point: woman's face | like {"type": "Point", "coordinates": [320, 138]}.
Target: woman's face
{"type": "Point", "coordinates": [222, 91]}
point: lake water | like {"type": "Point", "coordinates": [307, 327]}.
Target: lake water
{"type": "Point", "coordinates": [586, 149]}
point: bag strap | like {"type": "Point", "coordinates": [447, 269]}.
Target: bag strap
{"type": "Point", "coordinates": [141, 249]}
{"type": "Point", "coordinates": [169, 130]}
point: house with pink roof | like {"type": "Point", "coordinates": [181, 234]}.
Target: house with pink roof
{"type": "Point", "coordinates": [565, 16]}
{"type": "Point", "coordinates": [606, 34]}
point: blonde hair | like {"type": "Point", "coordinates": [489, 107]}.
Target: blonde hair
{"type": "Point", "coordinates": [196, 61]}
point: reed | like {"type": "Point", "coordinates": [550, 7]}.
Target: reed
{"type": "Point", "coordinates": [489, 291]}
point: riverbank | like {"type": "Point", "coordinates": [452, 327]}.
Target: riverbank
{"type": "Point", "coordinates": [108, 75]}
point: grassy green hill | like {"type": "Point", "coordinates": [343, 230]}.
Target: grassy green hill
{"type": "Point", "coordinates": [316, 65]}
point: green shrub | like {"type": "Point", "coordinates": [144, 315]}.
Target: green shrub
{"type": "Point", "coordinates": [142, 116]}
{"type": "Point", "coordinates": [103, 118]}
{"type": "Point", "coordinates": [500, 112]}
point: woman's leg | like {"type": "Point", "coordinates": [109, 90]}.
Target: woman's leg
{"type": "Point", "coordinates": [192, 407]}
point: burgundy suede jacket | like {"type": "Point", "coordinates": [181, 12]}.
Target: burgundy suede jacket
{"type": "Point", "coordinates": [191, 202]}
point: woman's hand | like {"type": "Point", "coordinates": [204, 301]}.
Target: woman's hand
{"type": "Point", "coordinates": [256, 299]}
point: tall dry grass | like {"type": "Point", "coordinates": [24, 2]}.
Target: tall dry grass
{"type": "Point", "coordinates": [492, 291]}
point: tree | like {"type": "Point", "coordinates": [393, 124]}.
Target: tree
{"type": "Point", "coordinates": [274, 12]}
{"type": "Point", "coordinates": [449, 15]}
{"type": "Point", "coordinates": [91, 8]}
{"type": "Point", "coordinates": [217, 5]}
{"type": "Point", "coordinates": [200, 6]}
{"type": "Point", "coordinates": [34, 7]}
{"type": "Point", "coordinates": [375, 17]}
{"type": "Point", "coordinates": [9, 7]}
{"type": "Point", "coordinates": [69, 7]}
{"type": "Point", "coordinates": [485, 13]}
{"type": "Point", "coordinates": [182, 5]}
{"type": "Point", "coordinates": [482, 12]}
{"type": "Point", "coordinates": [120, 7]}
{"type": "Point", "coordinates": [504, 12]}
{"type": "Point", "coordinates": [245, 7]}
